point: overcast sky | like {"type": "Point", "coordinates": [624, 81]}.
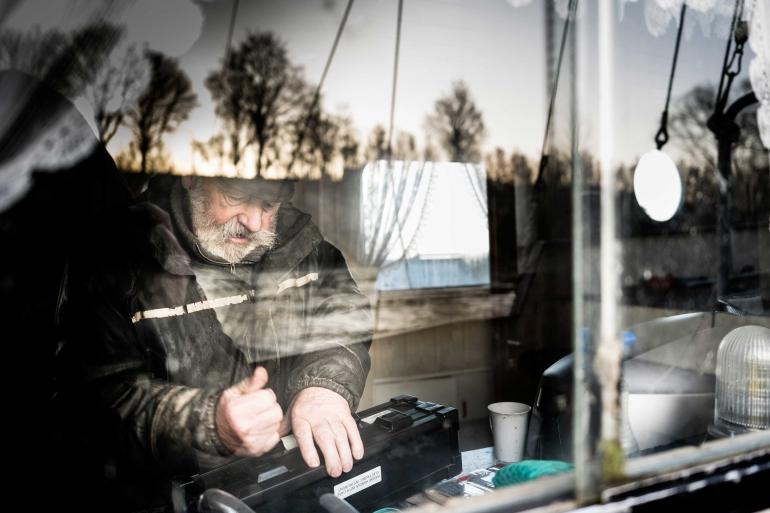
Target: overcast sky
{"type": "Point", "coordinates": [495, 46]}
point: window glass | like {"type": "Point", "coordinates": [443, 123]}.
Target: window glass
{"type": "Point", "coordinates": [319, 200]}
{"type": "Point", "coordinates": [558, 204]}
{"type": "Point", "coordinates": [672, 217]}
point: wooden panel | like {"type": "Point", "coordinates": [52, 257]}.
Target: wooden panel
{"type": "Point", "coordinates": [441, 349]}
{"type": "Point", "coordinates": [401, 312]}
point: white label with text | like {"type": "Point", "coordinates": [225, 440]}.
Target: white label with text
{"type": "Point", "coordinates": [358, 483]}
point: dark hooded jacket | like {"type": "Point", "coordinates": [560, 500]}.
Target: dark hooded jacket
{"type": "Point", "coordinates": [157, 330]}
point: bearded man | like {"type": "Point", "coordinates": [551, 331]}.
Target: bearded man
{"type": "Point", "coordinates": [222, 321]}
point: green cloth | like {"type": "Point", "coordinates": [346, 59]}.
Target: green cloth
{"type": "Point", "coordinates": [527, 470]}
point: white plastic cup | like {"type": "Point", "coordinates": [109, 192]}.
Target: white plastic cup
{"type": "Point", "coordinates": [508, 422]}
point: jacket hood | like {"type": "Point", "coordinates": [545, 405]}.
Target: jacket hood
{"type": "Point", "coordinates": [297, 234]}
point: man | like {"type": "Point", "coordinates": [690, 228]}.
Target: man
{"type": "Point", "coordinates": [217, 321]}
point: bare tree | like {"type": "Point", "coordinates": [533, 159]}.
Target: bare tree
{"type": "Point", "coordinates": [688, 125]}
{"type": "Point", "coordinates": [228, 88]}
{"type": "Point", "coordinates": [314, 141]}
{"type": "Point", "coordinates": [165, 103]}
{"type": "Point", "coordinates": [115, 88]}
{"type": "Point", "coordinates": [458, 124]}
{"type": "Point", "coordinates": [260, 96]}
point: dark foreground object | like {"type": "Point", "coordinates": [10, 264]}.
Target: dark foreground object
{"type": "Point", "coordinates": [408, 446]}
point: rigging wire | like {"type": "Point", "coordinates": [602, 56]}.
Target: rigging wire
{"type": "Point", "coordinates": [544, 150]}
{"type": "Point", "coordinates": [395, 77]}
{"type": "Point", "coordinates": [405, 169]}
{"type": "Point", "coordinates": [317, 94]}
{"type": "Point", "coordinates": [228, 46]}
{"type": "Point", "coordinates": [228, 51]}
{"type": "Point", "coordinates": [333, 50]}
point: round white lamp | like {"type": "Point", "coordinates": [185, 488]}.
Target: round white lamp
{"type": "Point", "coordinates": [657, 186]}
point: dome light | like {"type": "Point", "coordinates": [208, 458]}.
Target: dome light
{"type": "Point", "coordinates": [742, 401]}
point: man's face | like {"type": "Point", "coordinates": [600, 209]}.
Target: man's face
{"type": "Point", "coordinates": [229, 223]}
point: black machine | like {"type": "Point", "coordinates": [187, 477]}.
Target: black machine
{"type": "Point", "coordinates": [408, 446]}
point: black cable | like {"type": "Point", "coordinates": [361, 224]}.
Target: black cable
{"type": "Point", "coordinates": [215, 500]}
{"type": "Point", "coordinates": [543, 156]}
{"type": "Point", "coordinates": [661, 137]}
{"type": "Point", "coordinates": [333, 504]}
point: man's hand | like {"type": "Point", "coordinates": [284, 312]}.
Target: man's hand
{"type": "Point", "coordinates": [324, 416]}
{"type": "Point", "coordinates": [248, 416]}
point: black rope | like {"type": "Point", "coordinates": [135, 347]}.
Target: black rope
{"type": "Point", "coordinates": [395, 78]}
{"type": "Point", "coordinates": [661, 137]}
{"type": "Point", "coordinates": [543, 156]}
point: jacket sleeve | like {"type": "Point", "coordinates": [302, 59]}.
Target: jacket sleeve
{"type": "Point", "coordinates": [339, 332]}
{"type": "Point", "coordinates": [106, 369]}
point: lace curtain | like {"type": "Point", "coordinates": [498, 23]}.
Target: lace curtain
{"type": "Point", "coordinates": [393, 199]}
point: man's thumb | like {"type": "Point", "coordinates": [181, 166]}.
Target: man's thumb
{"type": "Point", "coordinates": [255, 382]}
{"type": "Point", "coordinates": [285, 427]}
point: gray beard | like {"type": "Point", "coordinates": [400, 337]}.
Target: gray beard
{"type": "Point", "coordinates": [215, 238]}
